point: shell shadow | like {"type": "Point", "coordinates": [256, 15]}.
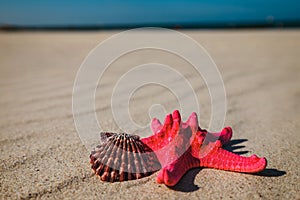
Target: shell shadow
{"type": "Point", "coordinates": [186, 184]}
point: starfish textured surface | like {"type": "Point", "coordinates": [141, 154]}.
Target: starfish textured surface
{"type": "Point", "coordinates": [180, 146]}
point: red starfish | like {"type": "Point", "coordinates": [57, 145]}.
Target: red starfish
{"type": "Point", "coordinates": [181, 146]}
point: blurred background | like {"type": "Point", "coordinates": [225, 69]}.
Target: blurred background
{"type": "Point", "coordinates": [103, 14]}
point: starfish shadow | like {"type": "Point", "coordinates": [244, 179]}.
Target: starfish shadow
{"type": "Point", "coordinates": [234, 145]}
{"type": "Point", "coordinates": [271, 173]}
{"type": "Point", "coordinates": [186, 184]}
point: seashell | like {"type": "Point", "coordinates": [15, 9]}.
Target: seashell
{"type": "Point", "coordinates": [123, 157]}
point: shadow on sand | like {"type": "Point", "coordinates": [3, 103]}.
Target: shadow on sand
{"type": "Point", "coordinates": [186, 184]}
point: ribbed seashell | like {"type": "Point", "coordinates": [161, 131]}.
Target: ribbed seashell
{"type": "Point", "coordinates": [123, 157]}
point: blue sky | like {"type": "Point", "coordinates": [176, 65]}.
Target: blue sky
{"type": "Point", "coordinates": [92, 12]}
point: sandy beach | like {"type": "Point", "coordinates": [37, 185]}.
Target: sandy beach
{"type": "Point", "coordinates": [43, 157]}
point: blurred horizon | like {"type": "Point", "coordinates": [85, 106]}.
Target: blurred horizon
{"type": "Point", "coordinates": [177, 13]}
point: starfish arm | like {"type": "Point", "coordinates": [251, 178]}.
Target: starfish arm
{"type": "Point", "coordinates": [176, 123]}
{"type": "Point", "coordinates": [224, 136]}
{"type": "Point", "coordinates": [192, 122]}
{"type": "Point", "coordinates": [158, 139]}
{"type": "Point", "coordinates": [155, 125]}
{"type": "Point", "coordinates": [165, 133]}
{"type": "Point", "coordinates": [171, 174]}
{"type": "Point", "coordinates": [219, 158]}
